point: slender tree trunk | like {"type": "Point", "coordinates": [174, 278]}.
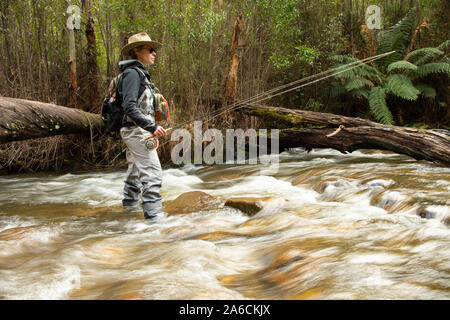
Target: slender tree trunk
{"type": "Point", "coordinates": [39, 14]}
{"type": "Point", "coordinates": [72, 70]}
{"type": "Point", "coordinates": [5, 25]}
{"type": "Point", "coordinates": [91, 57]}
{"type": "Point", "coordinates": [231, 81]}
{"type": "Point", "coordinates": [351, 28]}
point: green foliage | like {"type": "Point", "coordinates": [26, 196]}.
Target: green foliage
{"type": "Point", "coordinates": [401, 65]}
{"type": "Point", "coordinates": [302, 54]}
{"type": "Point", "coordinates": [360, 93]}
{"type": "Point", "coordinates": [393, 76]}
{"type": "Point", "coordinates": [423, 55]}
{"type": "Point", "coordinates": [426, 90]}
{"type": "Point", "coordinates": [357, 83]}
{"type": "Point", "coordinates": [378, 107]}
{"type": "Point", "coordinates": [397, 38]}
{"type": "Point", "coordinates": [401, 86]}
{"type": "Point", "coordinates": [444, 45]}
{"type": "Point", "coordinates": [432, 68]}
{"type": "Point", "coordinates": [313, 105]}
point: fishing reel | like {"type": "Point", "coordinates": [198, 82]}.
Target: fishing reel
{"type": "Point", "coordinates": [151, 143]}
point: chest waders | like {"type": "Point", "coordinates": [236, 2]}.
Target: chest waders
{"type": "Point", "coordinates": [144, 174]}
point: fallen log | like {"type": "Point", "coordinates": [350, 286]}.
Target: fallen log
{"type": "Point", "coordinates": [25, 119]}
{"type": "Point", "coordinates": [308, 129]}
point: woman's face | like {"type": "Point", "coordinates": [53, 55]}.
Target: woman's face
{"type": "Point", "coordinates": [146, 55]}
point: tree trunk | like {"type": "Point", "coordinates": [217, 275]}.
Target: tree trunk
{"type": "Point", "coordinates": [236, 44]}
{"type": "Point", "coordinates": [310, 129]}
{"type": "Point", "coordinates": [25, 119]}
{"type": "Point", "coordinates": [72, 70]}
{"type": "Point", "coordinates": [91, 58]}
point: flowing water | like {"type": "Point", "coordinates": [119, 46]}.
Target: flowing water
{"type": "Point", "coordinates": [367, 225]}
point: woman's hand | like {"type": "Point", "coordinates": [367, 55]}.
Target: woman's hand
{"type": "Point", "coordinates": [160, 131]}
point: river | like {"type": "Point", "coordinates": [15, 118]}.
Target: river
{"type": "Point", "coordinates": [366, 225]}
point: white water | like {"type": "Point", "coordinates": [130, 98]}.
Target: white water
{"type": "Point", "coordinates": [349, 230]}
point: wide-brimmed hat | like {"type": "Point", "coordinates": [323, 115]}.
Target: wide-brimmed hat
{"type": "Point", "coordinates": [137, 40]}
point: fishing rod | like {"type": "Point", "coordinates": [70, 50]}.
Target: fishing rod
{"type": "Point", "coordinates": [268, 94]}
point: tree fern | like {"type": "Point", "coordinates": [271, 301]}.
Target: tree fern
{"type": "Point", "coordinates": [424, 55]}
{"type": "Point", "coordinates": [397, 38]}
{"type": "Point", "coordinates": [444, 45]}
{"type": "Point", "coordinates": [357, 83]}
{"type": "Point", "coordinates": [426, 90]}
{"type": "Point", "coordinates": [378, 107]}
{"type": "Point", "coordinates": [432, 68]}
{"type": "Point", "coordinates": [360, 93]}
{"type": "Point", "coordinates": [401, 86]}
{"type": "Point", "coordinates": [401, 65]}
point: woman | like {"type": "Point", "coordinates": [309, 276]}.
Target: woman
{"type": "Point", "coordinates": [144, 169]}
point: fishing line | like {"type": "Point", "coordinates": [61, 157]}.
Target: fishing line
{"type": "Point", "coordinates": [267, 94]}
{"type": "Point", "coordinates": [258, 98]}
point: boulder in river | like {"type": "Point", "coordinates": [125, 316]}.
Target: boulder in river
{"type": "Point", "coordinates": [190, 202]}
{"type": "Point", "coordinates": [248, 205]}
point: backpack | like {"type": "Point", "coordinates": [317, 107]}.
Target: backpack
{"type": "Point", "coordinates": [112, 112]}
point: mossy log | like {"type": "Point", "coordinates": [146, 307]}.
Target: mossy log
{"type": "Point", "coordinates": [25, 119]}
{"type": "Point", "coordinates": [308, 129]}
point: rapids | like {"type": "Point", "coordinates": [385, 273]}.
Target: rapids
{"type": "Point", "coordinates": [366, 225]}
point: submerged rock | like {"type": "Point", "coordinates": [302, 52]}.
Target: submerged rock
{"type": "Point", "coordinates": [425, 213]}
{"type": "Point", "coordinates": [190, 202]}
{"type": "Point", "coordinates": [248, 205]}
{"type": "Point", "coordinates": [392, 202]}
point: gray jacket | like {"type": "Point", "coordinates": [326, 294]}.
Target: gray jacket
{"type": "Point", "coordinates": [129, 89]}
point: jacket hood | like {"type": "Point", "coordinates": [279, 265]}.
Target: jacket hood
{"type": "Point", "coordinates": [128, 63]}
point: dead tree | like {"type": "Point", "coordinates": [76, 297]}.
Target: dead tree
{"type": "Point", "coordinates": [25, 119]}
{"type": "Point", "coordinates": [308, 129]}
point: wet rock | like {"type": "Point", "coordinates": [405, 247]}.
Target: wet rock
{"type": "Point", "coordinates": [321, 186]}
{"type": "Point", "coordinates": [425, 213]}
{"type": "Point", "coordinates": [446, 221]}
{"type": "Point", "coordinates": [288, 265]}
{"type": "Point", "coordinates": [392, 202]}
{"type": "Point", "coordinates": [248, 205]}
{"type": "Point", "coordinates": [190, 202]}
{"type": "Point", "coordinates": [378, 183]}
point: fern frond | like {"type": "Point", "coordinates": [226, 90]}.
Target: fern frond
{"type": "Point", "coordinates": [401, 65]}
{"type": "Point", "coordinates": [397, 38]}
{"type": "Point", "coordinates": [360, 93]}
{"type": "Point", "coordinates": [432, 68]}
{"type": "Point", "coordinates": [424, 55]}
{"type": "Point", "coordinates": [401, 86]}
{"type": "Point", "coordinates": [378, 107]}
{"type": "Point", "coordinates": [444, 45]}
{"type": "Point", "coordinates": [357, 83]}
{"type": "Point", "coordinates": [426, 90]}
{"type": "Point", "coordinates": [362, 70]}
